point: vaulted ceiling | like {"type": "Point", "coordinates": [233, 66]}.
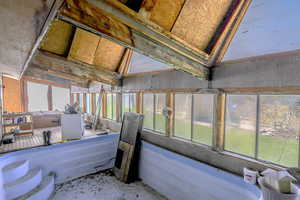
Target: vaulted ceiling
{"type": "Point", "coordinates": [80, 41]}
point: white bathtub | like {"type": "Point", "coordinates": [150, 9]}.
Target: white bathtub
{"type": "Point", "coordinates": [180, 178]}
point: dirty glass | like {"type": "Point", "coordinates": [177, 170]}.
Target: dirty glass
{"type": "Point", "coordinates": [182, 119]}
{"type": "Point", "coordinates": [148, 110]}
{"type": "Point", "coordinates": [160, 120]}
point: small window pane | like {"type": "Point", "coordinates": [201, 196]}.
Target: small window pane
{"type": "Point", "coordinates": [148, 109]}
{"type": "Point", "coordinates": [160, 121]}
{"type": "Point", "coordinates": [241, 124]}
{"type": "Point", "coordinates": [37, 97]}
{"type": "Point", "coordinates": [114, 107]}
{"type": "Point", "coordinates": [279, 129]}
{"type": "Point", "coordinates": [81, 101]}
{"type": "Point", "coordinates": [109, 106]}
{"type": "Point", "coordinates": [60, 98]}
{"type": "Point", "coordinates": [88, 103]}
{"type": "Point", "coordinates": [203, 118]}
{"type": "Point", "coordinates": [125, 103]}
{"type": "Point", "coordinates": [182, 124]}
{"type": "Point", "coordinates": [132, 102]}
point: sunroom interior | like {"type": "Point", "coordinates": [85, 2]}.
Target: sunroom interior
{"type": "Point", "coordinates": [215, 83]}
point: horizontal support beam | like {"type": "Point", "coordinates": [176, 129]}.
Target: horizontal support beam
{"type": "Point", "coordinates": [64, 67]}
{"type": "Point", "coordinates": [39, 73]}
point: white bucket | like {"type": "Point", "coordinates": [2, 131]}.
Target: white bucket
{"type": "Point", "coordinates": [250, 176]}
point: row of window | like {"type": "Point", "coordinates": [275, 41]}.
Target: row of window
{"type": "Point", "coordinates": [264, 127]}
{"type": "Point", "coordinates": [38, 97]}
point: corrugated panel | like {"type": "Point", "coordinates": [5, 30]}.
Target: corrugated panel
{"type": "Point", "coordinates": [70, 160]}
{"type": "Point", "coordinates": [164, 170]}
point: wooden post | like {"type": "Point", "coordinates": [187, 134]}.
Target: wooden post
{"type": "Point", "coordinates": [50, 103]}
{"type": "Point", "coordinates": [219, 121]}
{"type": "Point", "coordinates": [72, 98]}
{"type": "Point", "coordinates": [139, 102]}
{"type": "Point", "coordinates": [170, 120]}
{"type": "Point", "coordinates": [84, 103]}
{"type": "Point", "coordinates": [104, 105]}
{"type": "Point", "coordinates": [24, 96]}
{"type": "Point", "coordinates": [119, 107]}
{"type": "Point", "coordinates": [93, 102]}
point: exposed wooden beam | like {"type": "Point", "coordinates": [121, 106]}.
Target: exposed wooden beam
{"type": "Point", "coordinates": [61, 66]}
{"type": "Point", "coordinates": [219, 121]}
{"type": "Point", "coordinates": [161, 47]}
{"type": "Point", "coordinates": [40, 73]}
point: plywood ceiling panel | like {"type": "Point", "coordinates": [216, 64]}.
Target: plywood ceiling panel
{"type": "Point", "coordinates": [58, 38]}
{"type": "Point", "coordinates": [199, 20]}
{"type": "Point", "coordinates": [108, 54]}
{"type": "Point", "coordinates": [162, 12]}
{"type": "Point", "coordinates": [84, 46]}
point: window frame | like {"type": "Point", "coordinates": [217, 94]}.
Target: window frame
{"type": "Point", "coordinates": [192, 119]}
{"type": "Point", "coordinates": [257, 127]}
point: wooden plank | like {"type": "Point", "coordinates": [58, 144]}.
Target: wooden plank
{"type": "Point", "coordinates": [155, 10]}
{"type": "Point", "coordinates": [108, 54]}
{"type": "Point", "coordinates": [151, 48]}
{"type": "Point", "coordinates": [198, 21]}
{"type": "Point", "coordinates": [61, 65]}
{"type": "Point", "coordinates": [104, 105]}
{"type": "Point", "coordinates": [93, 102]}
{"type": "Point", "coordinates": [219, 121]}
{"type": "Point", "coordinates": [84, 46]}
{"type": "Point", "coordinates": [148, 73]}
{"type": "Point", "coordinates": [170, 121]}
{"type": "Point", "coordinates": [49, 97]}
{"type": "Point", "coordinates": [39, 73]}
{"type": "Point", "coordinates": [139, 102]}
{"type": "Point", "coordinates": [95, 19]}
{"type": "Point", "coordinates": [58, 38]}
{"type": "Point", "coordinates": [84, 102]}
{"type": "Point", "coordinates": [118, 107]}
{"type": "Point", "coordinates": [124, 65]}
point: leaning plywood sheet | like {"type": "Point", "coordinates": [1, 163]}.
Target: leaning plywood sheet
{"type": "Point", "coordinates": [163, 13]}
{"type": "Point", "coordinates": [198, 21]}
{"type": "Point", "coordinates": [84, 46]}
{"type": "Point", "coordinates": [108, 54]}
{"type": "Point", "coordinates": [58, 38]}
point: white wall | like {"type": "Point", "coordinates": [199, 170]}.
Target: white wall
{"type": "Point", "coordinates": [178, 177]}
{"type": "Point", "coordinates": [70, 160]}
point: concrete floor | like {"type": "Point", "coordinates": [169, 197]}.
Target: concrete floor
{"type": "Point", "coordinates": [104, 186]}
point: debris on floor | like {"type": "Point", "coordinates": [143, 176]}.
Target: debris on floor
{"type": "Point", "coordinates": [104, 186]}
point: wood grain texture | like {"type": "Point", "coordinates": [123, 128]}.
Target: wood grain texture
{"type": "Point", "coordinates": [12, 101]}
{"type": "Point", "coordinates": [198, 21]}
{"type": "Point", "coordinates": [58, 38]}
{"type": "Point", "coordinates": [84, 46]}
{"type": "Point", "coordinates": [162, 12]}
{"type": "Point", "coordinates": [108, 54]}
{"type": "Point", "coordinates": [89, 15]}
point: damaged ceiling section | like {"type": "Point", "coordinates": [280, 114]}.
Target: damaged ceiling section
{"type": "Point", "coordinates": [78, 42]}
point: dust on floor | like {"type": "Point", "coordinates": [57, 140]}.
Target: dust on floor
{"type": "Point", "coordinates": [104, 186]}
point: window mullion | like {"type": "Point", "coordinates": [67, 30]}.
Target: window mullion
{"type": "Point", "coordinates": [154, 111]}
{"type": "Point", "coordinates": [257, 125]}
{"type": "Point", "coordinates": [192, 117]}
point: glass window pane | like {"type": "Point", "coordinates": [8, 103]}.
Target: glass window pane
{"type": "Point", "coordinates": [109, 106]}
{"type": "Point", "coordinates": [279, 129]}
{"type": "Point", "coordinates": [160, 121]}
{"type": "Point", "coordinates": [81, 101]}
{"type": "Point", "coordinates": [240, 124]}
{"type": "Point", "coordinates": [60, 98]}
{"type": "Point", "coordinates": [125, 103]}
{"type": "Point", "coordinates": [203, 118]}
{"type": "Point", "coordinates": [88, 103]}
{"type": "Point", "coordinates": [114, 106]}
{"type": "Point", "coordinates": [37, 96]}
{"type": "Point", "coordinates": [182, 123]}
{"type": "Point", "coordinates": [133, 102]}
{"type": "Point", "coordinates": [148, 107]}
